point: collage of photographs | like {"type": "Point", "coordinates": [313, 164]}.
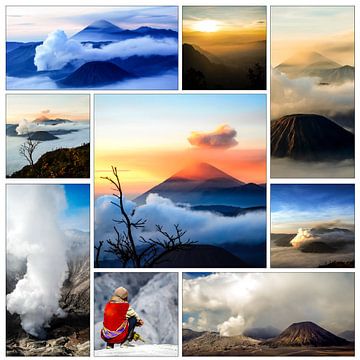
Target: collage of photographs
{"type": "Point", "coordinates": [179, 180]}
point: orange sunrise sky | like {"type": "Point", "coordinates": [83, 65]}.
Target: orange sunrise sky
{"type": "Point", "coordinates": [151, 137]}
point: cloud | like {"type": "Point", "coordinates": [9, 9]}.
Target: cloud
{"type": "Point", "coordinates": [58, 50]}
{"type": "Point", "coordinates": [24, 127]}
{"type": "Point", "coordinates": [233, 302]}
{"type": "Point", "coordinates": [222, 137]}
{"type": "Point", "coordinates": [291, 96]}
{"type": "Point", "coordinates": [288, 168]}
{"type": "Point", "coordinates": [203, 226]}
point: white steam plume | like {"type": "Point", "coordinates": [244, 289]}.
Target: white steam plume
{"type": "Point", "coordinates": [302, 236]}
{"type": "Point", "coordinates": [25, 127]}
{"type": "Point", "coordinates": [34, 236]}
{"type": "Point", "coordinates": [58, 50]}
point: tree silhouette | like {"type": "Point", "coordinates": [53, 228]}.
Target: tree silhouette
{"type": "Point", "coordinates": [27, 149]}
{"type": "Point", "coordinates": [123, 245]}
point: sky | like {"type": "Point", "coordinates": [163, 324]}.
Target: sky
{"type": "Point", "coordinates": [221, 29]}
{"type": "Point", "coordinates": [325, 29]}
{"type": "Point", "coordinates": [233, 302]}
{"type": "Point", "coordinates": [151, 137]}
{"type": "Point", "coordinates": [30, 107]}
{"type": "Point", "coordinates": [34, 23]}
{"type": "Point", "coordinates": [77, 214]}
{"type": "Point", "coordinates": [307, 206]}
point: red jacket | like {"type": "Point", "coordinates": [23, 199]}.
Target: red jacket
{"type": "Point", "coordinates": [116, 326]}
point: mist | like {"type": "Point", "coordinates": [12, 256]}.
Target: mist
{"type": "Point", "coordinates": [202, 226]}
{"type": "Point", "coordinates": [233, 302]}
{"type": "Point", "coordinates": [305, 95]}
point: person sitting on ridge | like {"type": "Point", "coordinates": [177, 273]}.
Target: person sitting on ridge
{"type": "Point", "coordinates": [120, 320]}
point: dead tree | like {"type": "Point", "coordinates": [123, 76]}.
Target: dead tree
{"type": "Point", "coordinates": [98, 251]}
{"type": "Point", "coordinates": [27, 149]}
{"type": "Point", "coordinates": [123, 246]}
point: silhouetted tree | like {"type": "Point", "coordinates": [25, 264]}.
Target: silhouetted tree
{"type": "Point", "coordinates": [256, 77]}
{"type": "Point", "coordinates": [123, 245]}
{"type": "Point", "coordinates": [194, 80]}
{"type": "Point", "coordinates": [27, 149]}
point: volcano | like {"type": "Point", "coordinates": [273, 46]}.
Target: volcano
{"type": "Point", "coordinates": [310, 137]}
{"type": "Point", "coordinates": [306, 333]}
{"type": "Point", "coordinates": [95, 73]}
{"type": "Point", "coordinates": [204, 184]}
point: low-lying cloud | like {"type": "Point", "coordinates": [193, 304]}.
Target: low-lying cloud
{"type": "Point", "coordinates": [202, 226]}
{"type": "Point", "coordinates": [222, 137]}
{"type": "Point", "coordinates": [25, 127]}
{"type": "Point", "coordinates": [305, 95]}
{"type": "Point", "coordinates": [58, 50]}
{"type": "Point", "coordinates": [233, 302]}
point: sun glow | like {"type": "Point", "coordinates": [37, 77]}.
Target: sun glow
{"type": "Point", "coordinates": [207, 26]}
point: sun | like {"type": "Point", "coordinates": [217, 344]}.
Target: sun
{"type": "Point", "coordinates": [207, 26]}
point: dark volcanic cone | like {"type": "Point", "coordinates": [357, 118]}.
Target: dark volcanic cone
{"type": "Point", "coordinates": [306, 334]}
{"type": "Point", "coordinates": [95, 73]}
{"type": "Point", "coordinates": [310, 137]}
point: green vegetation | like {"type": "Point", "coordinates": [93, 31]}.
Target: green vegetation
{"type": "Point", "coordinates": [60, 163]}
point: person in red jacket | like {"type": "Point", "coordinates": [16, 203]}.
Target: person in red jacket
{"type": "Point", "coordinates": [120, 320]}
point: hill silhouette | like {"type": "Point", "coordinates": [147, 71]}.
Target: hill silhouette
{"type": "Point", "coordinates": [95, 73]}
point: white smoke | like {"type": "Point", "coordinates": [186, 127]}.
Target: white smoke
{"type": "Point", "coordinates": [25, 127]}
{"type": "Point", "coordinates": [302, 236]}
{"type": "Point", "coordinates": [233, 302]}
{"type": "Point", "coordinates": [203, 226]}
{"type": "Point", "coordinates": [58, 50]}
{"type": "Point", "coordinates": [34, 236]}
{"type": "Point", "coordinates": [232, 327]}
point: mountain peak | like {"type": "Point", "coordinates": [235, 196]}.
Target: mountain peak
{"type": "Point", "coordinates": [310, 137]}
{"type": "Point", "coordinates": [306, 333]}
{"type": "Point", "coordinates": [102, 24]}
{"type": "Point", "coordinates": [306, 58]}
{"type": "Point", "coordinates": [200, 171]}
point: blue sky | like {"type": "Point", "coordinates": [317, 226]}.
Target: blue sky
{"type": "Point", "coordinates": [76, 215]}
{"type": "Point", "coordinates": [294, 206]}
{"type": "Point", "coordinates": [30, 23]}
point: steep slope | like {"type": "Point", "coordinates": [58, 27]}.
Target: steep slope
{"type": "Point", "coordinates": [306, 333]}
{"type": "Point", "coordinates": [95, 73]}
{"type": "Point", "coordinates": [20, 60]}
{"type": "Point", "coordinates": [101, 30]}
{"type": "Point", "coordinates": [310, 137]}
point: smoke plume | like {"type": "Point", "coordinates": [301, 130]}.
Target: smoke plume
{"type": "Point", "coordinates": [222, 137]}
{"type": "Point", "coordinates": [34, 237]}
{"type": "Point", "coordinates": [58, 50]}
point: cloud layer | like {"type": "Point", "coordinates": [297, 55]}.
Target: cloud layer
{"type": "Point", "coordinates": [222, 137]}
{"type": "Point", "coordinates": [233, 302]}
{"type": "Point", "coordinates": [202, 226]}
{"type": "Point", "coordinates": [58, 50]}
{"type": "Point", "coordinates": [305, 95]}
